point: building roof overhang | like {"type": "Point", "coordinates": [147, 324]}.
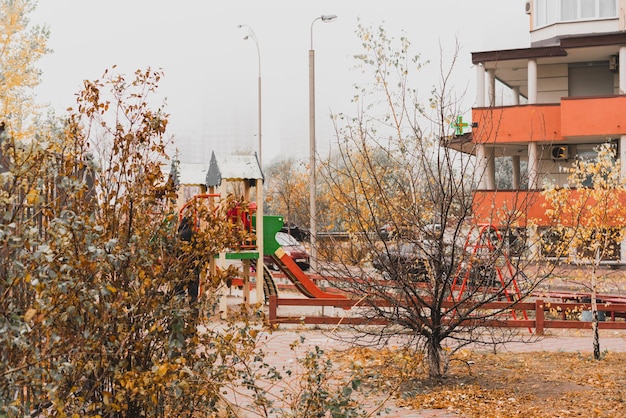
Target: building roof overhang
{"type": "Point", "coordinates": [614, 39]}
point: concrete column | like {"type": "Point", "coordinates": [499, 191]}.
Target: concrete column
{"type": "Point", "coordinates": [622, 70]}
{"type": "Point", "coordinates": [481, 167]}
{"type": "Point", "coordinates": [260, 297]}
{"type": "Point", "coordinates": [533, 166]}
{"type": "Point", "coordinates": [491, 169]}
{"type": "Point", "coordinates": [491, 87]}
{"type": "Point", "coordinates": [532, 81]}
{"type": "Point", "coordinates": [516, 96]}
{"type": "Point", "coordinates": [533, 157]}
{"type": "Point", "coordinates": [480, 85]}
{"type": "Point", "coordinates": [516, 172]}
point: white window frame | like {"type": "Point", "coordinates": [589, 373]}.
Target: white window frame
{"type": "Point", "coordinates": [553, 9]}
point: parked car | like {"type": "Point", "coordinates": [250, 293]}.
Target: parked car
{"type": "Point", "coordinates": [299, 233]}
{"type": "Point", "coordinates": [400, 258]}
{"type": "Point", "coordinates": [403, 253]}
{"type": "Point", "coordinates": [293, 248]}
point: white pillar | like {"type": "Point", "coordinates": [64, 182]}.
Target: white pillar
{"type": "Point", "coordinates": [481, 167]}
{"type": "Point", "coordinates": [480, 85]}
{"type": "Point", "coordinates": [533, 157]}
{"type": "Point", "coordinates": [491, 169]}
{"type": "Point", "coordinates": [491, 86]}
{"type": "Point", "coordinates": [622, 70]}
{"type": "Point", "coordinates": [532, 81]}
{"type": "Point", "coordinates": [516, 96]}
{"type": "Point", "coordinates": [516, 172]}
{"type": "Point", "coordinates": [533, 166]}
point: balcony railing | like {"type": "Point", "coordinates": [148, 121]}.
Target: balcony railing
{"type": "Point", "coordinates": [519, 208]}
{"type": "Point", "coordinates": [573, 117]}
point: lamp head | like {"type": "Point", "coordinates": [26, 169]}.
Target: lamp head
{"type": "Point", "coordinates": [328, 18]}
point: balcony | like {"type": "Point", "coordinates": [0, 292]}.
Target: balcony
{"type": "Point", "coordinates": [573, 117]}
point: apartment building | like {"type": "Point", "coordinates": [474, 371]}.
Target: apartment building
{"type": "Point", "coordinates": [542, 106]}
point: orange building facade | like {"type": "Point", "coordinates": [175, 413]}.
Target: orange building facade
{"type": "Point", "coordinates": [539, 108]}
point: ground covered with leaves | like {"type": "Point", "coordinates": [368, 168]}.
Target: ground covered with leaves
{"type": "Point", "coordinates": [536, 384]}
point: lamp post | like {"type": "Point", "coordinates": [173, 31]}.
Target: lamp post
{"type": "Point", "coordinates": [312, 174]}
{"type": "Point", "coordinates": [252, 35]}
{"type": "Point", "coordinates": [259, 183]}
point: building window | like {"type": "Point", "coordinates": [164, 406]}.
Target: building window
{"type": "Point", "coordinates": [548, 12]}
{"type": "Point", "coordinates": [553, 243]}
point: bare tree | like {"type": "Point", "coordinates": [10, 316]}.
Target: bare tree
{"type": "Point", "coordinates": [407, 199]}
{"type": "Point", "coordinates": [588, 221]}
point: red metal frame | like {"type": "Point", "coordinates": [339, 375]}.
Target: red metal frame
{"type": "Point", "coordinates": [484, 246]}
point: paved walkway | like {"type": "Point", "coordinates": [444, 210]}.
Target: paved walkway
{"type": "Point", "coordinates": [277, 346]}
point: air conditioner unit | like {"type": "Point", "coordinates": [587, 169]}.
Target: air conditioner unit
{"type": "Point", "coordinates": [560, 152]}
{"type": "Point", "coordinates": [528, 8]}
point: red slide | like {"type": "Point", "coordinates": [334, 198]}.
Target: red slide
{"type": "Point", "coordinates": [299, 279]}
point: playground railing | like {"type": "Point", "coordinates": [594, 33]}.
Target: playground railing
{"type": "Point", "coordinates": [546, 314]}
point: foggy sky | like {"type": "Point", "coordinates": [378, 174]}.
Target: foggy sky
{"type": "Point", "coordinates": [211, 72]}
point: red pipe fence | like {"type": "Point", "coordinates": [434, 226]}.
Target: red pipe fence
{"type": "Point", "coordinates": [540, 307]}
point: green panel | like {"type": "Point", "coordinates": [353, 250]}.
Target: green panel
{"type": "Point", "coordinates": [243, 255]}
{"type": "Point", "coordinates": [271, 225]}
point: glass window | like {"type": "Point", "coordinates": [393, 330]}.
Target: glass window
{"type": "Point", "coordinates": [588, 9]}
{"type": "Point", "coordinates": [608, 8]}
{"type": "Point", "coordinates": [569, 10]}
{"type": "Point", "coordinates": [540, 13]}
{"type": "Point", "coordinates": [548, 12]}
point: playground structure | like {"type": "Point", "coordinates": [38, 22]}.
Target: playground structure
{"type": "Point", "coordinates": [292, 271]}
{"type": "Point", "coordinates": [473, 279]}
{"type": "Point", "coordinates": [486, 244]}
{"type": "Point", "coordinates": [207, 181]}
{"type": "Point", "coordinates": [487, 265]}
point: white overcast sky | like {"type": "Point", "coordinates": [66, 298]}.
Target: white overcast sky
{"type": "Point", "coordinates": [211, 72]}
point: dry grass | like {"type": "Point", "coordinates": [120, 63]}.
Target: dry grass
{"type": "Point", "coordinates": [539, 384]}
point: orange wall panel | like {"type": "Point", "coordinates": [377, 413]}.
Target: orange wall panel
{"type": "Point", "coordinates": [519, 208]}
{"type": "Point", "coordinates": [593, 116]}
{"type": "Point", "coordinates": [526, 123]}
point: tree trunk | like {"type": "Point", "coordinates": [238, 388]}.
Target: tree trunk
{"type": "Point", "coordinates": [434, 355]}
{"type": "Point", "coordinates": [594, 308]}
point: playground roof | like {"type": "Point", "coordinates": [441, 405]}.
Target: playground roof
{"type": "Point", "coordinates": [191, 173]}
{"type": "Point", "coordinates": [233, 167]}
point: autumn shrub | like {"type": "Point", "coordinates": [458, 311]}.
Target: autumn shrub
{"type": "Point", "coordinates": [95, 307]}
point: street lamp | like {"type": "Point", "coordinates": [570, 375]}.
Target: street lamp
{"type": "Point", "coordinates": [252, 35]}
{"type": "Point", "coordinates": [259, 186]}
{"type": "Point", "coordinates": [312, 174]}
